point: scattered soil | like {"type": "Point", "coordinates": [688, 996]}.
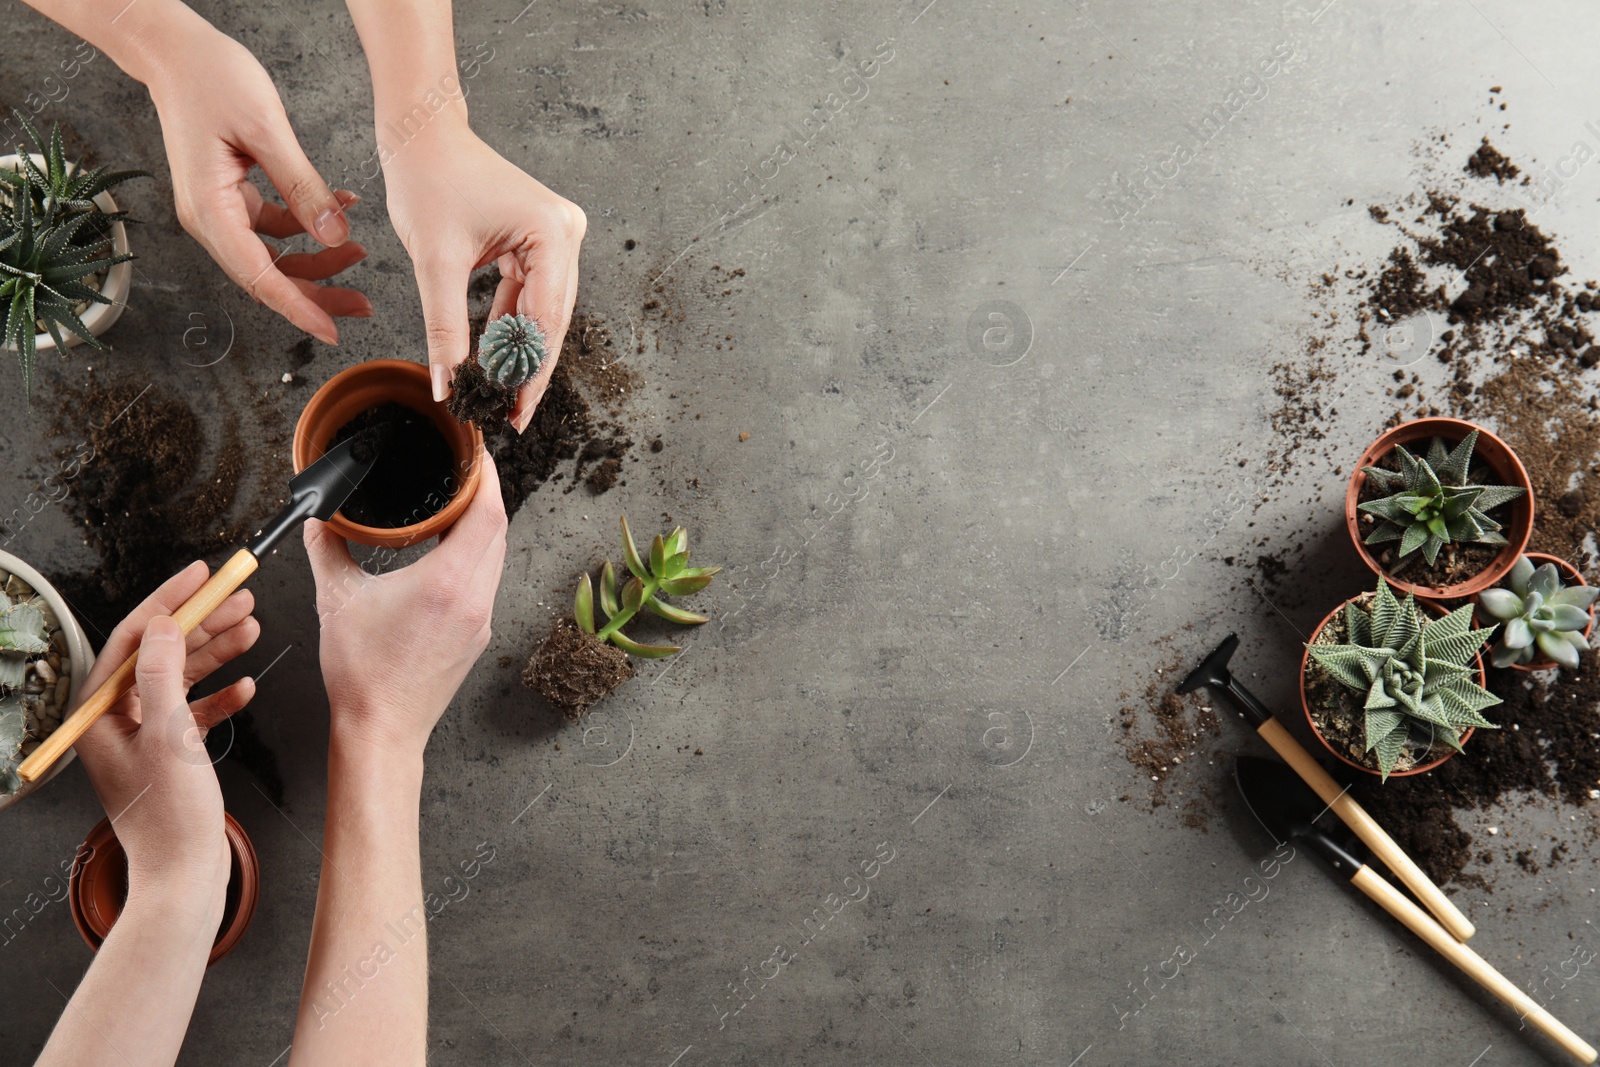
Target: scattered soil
{"type": "Point", "coordinates": [573, 670]}
{"type": "Point", "coordinates": [475, 397]}
{"type": "Point", "coordinates": [1487, 162]}
{"type": "Point", "coordinates": [411, 479]}
{"type": "Point", "coordinates": [1166, 736]}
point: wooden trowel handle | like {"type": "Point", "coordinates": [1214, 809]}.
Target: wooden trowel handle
{"type": "Point", "coordinates": [221, 585]}
{"type": "Point", "coordinates": [1355, 816]}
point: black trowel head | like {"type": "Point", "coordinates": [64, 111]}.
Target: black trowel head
{"type": "Point", "coordinates": [1213, 670]}
{"type": "Point", "coordinates": [319, 490]}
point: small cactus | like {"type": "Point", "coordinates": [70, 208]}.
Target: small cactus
{"type": "Point", "coordinates": [511, 350]}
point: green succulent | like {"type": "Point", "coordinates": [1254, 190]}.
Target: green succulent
{"type": "Point", "coordinates": [23, 633]}
{"type": "Point", "coordinates": [1432, 504]}
{"type": "Point", "coordinates": [52, 236]}
{"type": "Point", "coordinates": [1416, 673]}
{"type": "Point", "coordinates": [667, 571]}
{"type": "Point", "coordinates": [13, 732]}
{"type": "Point", "coordinates": [511, 349]}
{"type": "Point", "coordinates": [1540, 615]}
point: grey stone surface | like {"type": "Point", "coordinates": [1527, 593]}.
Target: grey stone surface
{"type": "Point", "coordinates": [954, 537]}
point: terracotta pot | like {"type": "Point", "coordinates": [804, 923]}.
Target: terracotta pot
{"type": "Point", "coordinates": [381, 381]}
{"type": "Point", "coordinates": [78, 649]}
{"type": "Point", "coordinates": [1570, 575]}
{"type": "Point", "coordinates": [99, 887]}
{"type": "Point", "coordinates": [1490, 450]}
{"type": "Point", "coordinates": [1305, 705]}
{"type": "Point", "coordinates": [98, 318]}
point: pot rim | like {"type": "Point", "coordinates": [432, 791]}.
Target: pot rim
{"type": "Point", "coordinates": [1443, 426]}
{"type": "Point", "coordinates": [118, 282]}
{"type": "Point", "coordinates": [1543, 663]}
{"type": "Point", "coordinates": [449, 428]}
{"type": "Point", "coordinates": [1305, 705]}
{"type": "Point", "coordinates": [77, 646]}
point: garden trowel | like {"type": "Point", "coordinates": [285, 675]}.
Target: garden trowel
{"type": "Point", "coordinates": [315, 493]}
{"type": "Point", "coordinates": [1289, 810]}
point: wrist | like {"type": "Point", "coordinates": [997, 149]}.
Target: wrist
{"type": "Point", "coordinates": [420, 129]}
{"type": "Point", "coordinates": [150, 39]}
{"type": "Point", "coordinates": [183, 895]}
{"type": "Point", "coordinates": [362, 752]}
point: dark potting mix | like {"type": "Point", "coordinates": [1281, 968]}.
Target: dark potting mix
{"type": "Point", "coordinates": [414, 475]}
{"type": "Point", "coordinates": [1517, 346]}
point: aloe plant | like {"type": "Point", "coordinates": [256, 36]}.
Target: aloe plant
{"type": "Point", "coordinates": [1416, 673]}
{"type": "Point", "coordinates": [1432, 504]}
{"type": "Point", "coordinates": [52, 236]}
{"type": "Point", "coordinates": [667, 571]}
{"type": "Point", "coordinates": [1540, 615]}
{"type": "Point", "coordinates": [511, 350]}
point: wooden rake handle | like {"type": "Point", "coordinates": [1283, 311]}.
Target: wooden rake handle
{"type": "Point", "coordinates": [221, 585]}
{"type": "Point", "coordinates": [1355, 816]}
{"type": "Point", "coordinates": [1420, 923]}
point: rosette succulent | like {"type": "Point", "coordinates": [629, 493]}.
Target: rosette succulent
{"type": "Point", "coordinates": [1432, 504]}
{"type": "Point", "coordinates": [666, 571]}
{"type": "Point", "coordinates": [1540, 615]}
{"type": "Point", "coordinates": [1416, 672]}
{"type": "Point", "coordinates": [53, 237]}
{"type": "Point", "coordinates": [511, 350]}
{"type": "Point", "coordinates": [24, 632]}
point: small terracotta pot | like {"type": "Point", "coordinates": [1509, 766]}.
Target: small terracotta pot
{"type": "Point", "coordinates": [99, 887]}
{"type": "Point", "coordinates": [1489, 449]}
{"type": "Point", "coordinates": [1570, 575]}
{"type": "Point", "coordinates": [381, 381]}
{"type": "Point", "coordinates": [1305, 705]}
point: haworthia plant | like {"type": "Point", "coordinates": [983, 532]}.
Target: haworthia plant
{"type": "Point", "coordinates": [1432, 504]}
{"type": "Point", "coordinates": [511, 350]}
{"type": "Point", "coordinates": [1416, 673]}
{"type": "Point", "coordinates": [1540, 615]}
{"type": "Point", "coordinates": [667, 571]}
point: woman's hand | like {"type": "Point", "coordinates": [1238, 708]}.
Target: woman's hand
{"type": "Point", "coordinates": [457, 205]}
{"type": "Point", "coordinates": [220, 116]}
{"type": "Point", "coordinates": [396, 646]}
{"type": "Point", "coordinates": [147, 757]}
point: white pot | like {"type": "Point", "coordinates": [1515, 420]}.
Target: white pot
{"type": "Point", "coordinates": [115, 288]}
{"type": "Point", "coordinates": [77, 648]}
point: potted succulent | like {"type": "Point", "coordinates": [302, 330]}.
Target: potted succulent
{"type": "Point", "coordinates": [578, 664]}
{"type": "Point", "coordinates": [1389, 689]}
{"type": "Point", "coordinates": [64, 273]}
{"type": "Point", "coordinates": [1545, 621]}
{"type": "Point", "coordinates": [428, 469]}
{"type": "Point", "coordinates": [44, 659]}
{"type": "Point", "coordinates": [510, 353]}
{"type": "Point", "coordinates": [1439, 507]}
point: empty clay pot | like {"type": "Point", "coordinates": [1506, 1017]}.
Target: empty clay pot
{"type": "Point", "coordinates": [366, 385]}
{"type": "Point", "coordinates": [99, 887]}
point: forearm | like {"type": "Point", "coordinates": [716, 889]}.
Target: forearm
{"type": "Point", "coordinates": [133, 1005]}
{"type": "Point", "coordinates": [141, 37]}
{"type": "Point", "coordinates": [365, 997]}
{"type": "Point", "coordinates": [411, 51]}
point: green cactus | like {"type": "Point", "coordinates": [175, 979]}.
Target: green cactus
{"type": "Point", "coordinates": [1433, 504]}
{"type": "Point", "coordinates": [1540, 615]}
{"type": "Point", "coordinates": [52, 236]}
{"type": "Point", "coordinates": [1416, 673]}
{"type": "Point", "coordinates": [23, 632]}
{"type": "Point", "coordinates": [667, 571]}
{"type": "Point", "coordinates": [511, 350]}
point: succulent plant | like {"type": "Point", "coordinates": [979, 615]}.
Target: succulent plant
{"type": "Point", "coordinates": [13, 732]}
{"type": "Point", "coordinates": [52, 236]}
{"type": "Point", "coordinates": [666, 571]}
{"type": "Point", "coordinates": [1416, 673]}
{"type": "Point", "coordinates": [1432, 504]}
{"type": "Point", "coordinates": [23, 632]}
{"type": "Point", "coordinates": [511, 350]}
{"type": "Point", "coordinates": [1540, 615]}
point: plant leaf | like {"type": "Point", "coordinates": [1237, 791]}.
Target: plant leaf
{"type": "Point", "coordinates": [630, 552]}
{"type": "Point", "coordinates": [634, 648]}
{"type": "Point", "coordinates": [673, 613]}
{"type": "Point", "coordinates": [633, 594]}
{"type": "Point", "coordinates": [658, 556]}
{"type": "Point", "coordinates": [686, 586]}
{"type": "Point", "coordinates": [583, 606]}
{"type": "Point", "coordinates": [608, 590]}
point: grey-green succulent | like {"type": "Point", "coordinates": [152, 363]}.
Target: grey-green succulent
{"type": "Point", "coordinates": [667, 571]}
{"type": "Point", "coordinates": [1416, 672]}
{"type": "Point", "coordinates": [53, 236]}
{"type": "Point", "coordinates": [1431, 503]}
{"type": "Point", "coordinates": [511, 349]}
{"type": "Point", "coordinates": [1540, 615]}
{"type": "Point", "coordinates": [23, 632]}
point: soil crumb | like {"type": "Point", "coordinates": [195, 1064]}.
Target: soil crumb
{"type": "Point", "coordinates": [1169, 739]}
{"type": "Point", "coordinates": [574, 671]}
{"type": "Point", "coordinates": [475, 397]}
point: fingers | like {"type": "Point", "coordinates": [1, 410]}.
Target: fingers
{"type": "Point", "coordinates": [340, 303]}
{"type": "Point", "coordinates": [442, 284]}
{"type": "Point", "coordinates": [275, 221]}
{"type": "Point", "coordinates": [208, 711]}
{"type": "Point", "coordinates": [159, 672]}
{"type": "Point", "coordinates": [222, 649]}
{"type": "Point", "coordinates": [548, 297]}
{"type": "Point", "coordinates": [323, 264]}
{"type": "Point", "coordinates": [310, 201]}
{"type": "Point", "coordinates": [337, 574]}
{"type": "Point", "coordinates": [476, 544]}
{"type": "Point", "coordinates": [252, 266]}
{"type": "Point", "coordinates": [240, 603]}
{"type": "Point", "coordinates": [124, 640]}
{"type": "Point", "coordinates": [505, 297]}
